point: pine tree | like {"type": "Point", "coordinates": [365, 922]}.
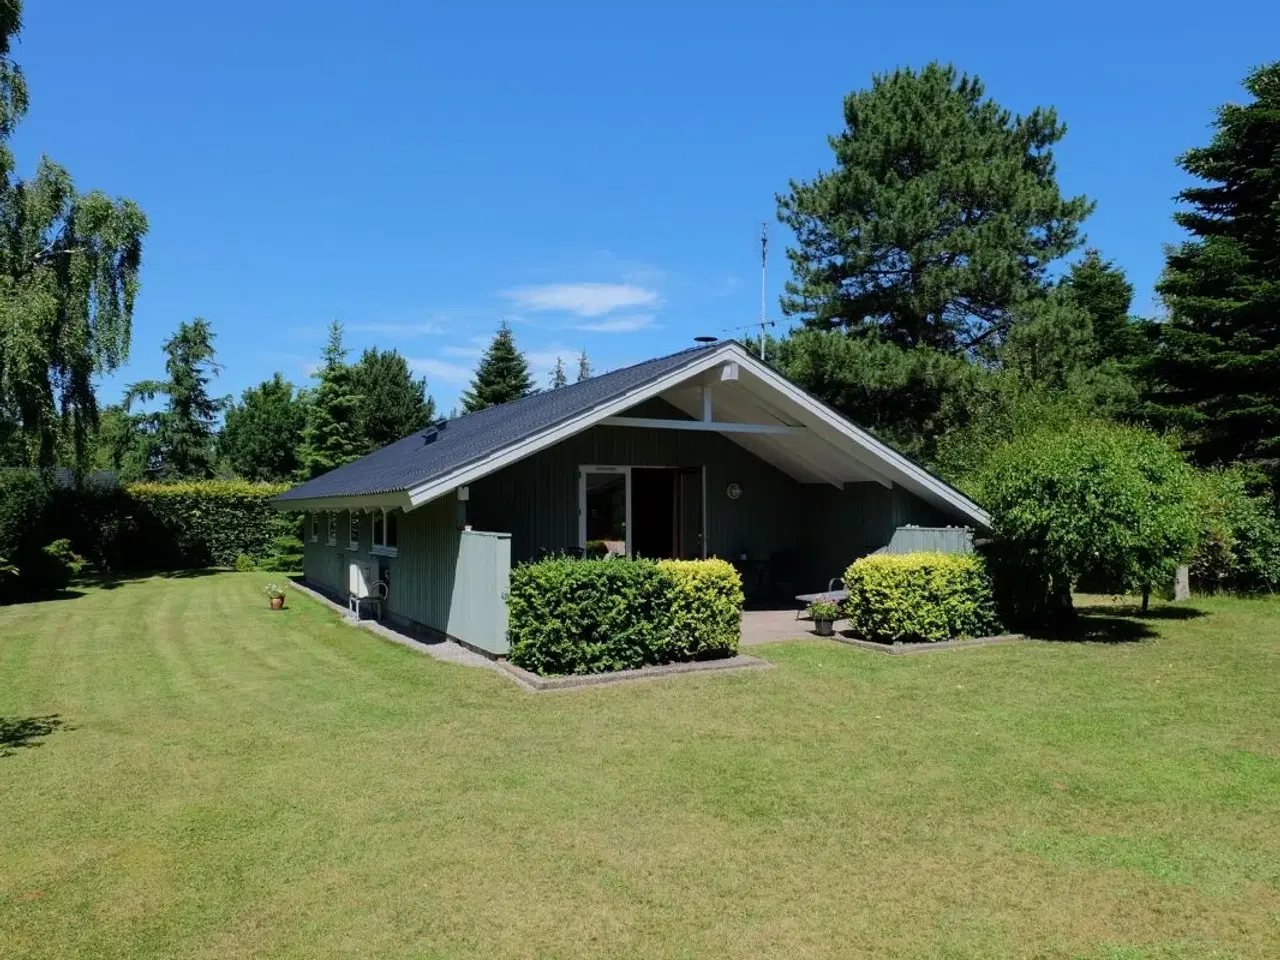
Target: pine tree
{"type": "Point", "coordinates": [393, 404]}
{"type": "Point", "coordinates": [940, 218]}
{"type": "Point", "coordinates": [332, 436]}
{"type": "Point", "coordinates": [183, 433]}
{"type": "Point", "coordinates": [558, 377]}
{"type": "Point", "coordinates": [584, 366]}
{"type": "Point", "coordinates": [503, 375]}
{"type": "Point", "coordinates": [1217, 370]}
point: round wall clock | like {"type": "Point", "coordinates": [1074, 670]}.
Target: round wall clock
{"type": "Point", "coordinates": [733, 491]}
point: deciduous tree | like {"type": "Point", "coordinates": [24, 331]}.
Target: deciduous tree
{"type": "Point", "coordinates": [68, 280]}
{"type": "Point", "coordinates": [262, 435]}
{"type": "Point", "coordinates": [393, 403]}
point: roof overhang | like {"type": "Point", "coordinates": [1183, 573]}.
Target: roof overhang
{"type": "Point", "coordinates": [727, 390]}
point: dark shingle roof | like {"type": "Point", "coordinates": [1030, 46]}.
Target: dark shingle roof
{"type": "Point", "coordinates": [411, 462]}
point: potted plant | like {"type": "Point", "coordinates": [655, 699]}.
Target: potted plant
{"type": "Point", "coordinates": [275, 593]}
{"type": "Point", "coordinates": [824, 614]}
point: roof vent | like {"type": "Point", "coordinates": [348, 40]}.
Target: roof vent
{"type": "Point", "coordinates": [432, 432]}
{"type": "Point", "coordinates": [705, 339]}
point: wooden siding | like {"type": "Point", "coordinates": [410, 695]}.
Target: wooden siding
{"type": "Point", "coordinates": [441, 578]}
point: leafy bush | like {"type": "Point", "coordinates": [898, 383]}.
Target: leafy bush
{"type": "Point", "coordinates": [1238, 546]}
{"type": "Point", "coordinates": [55, 567]}
{"type": "Point", "coordinates": [915, 597]}
{"type": "Point", "coordinates": [706, 609]}
{"type": "Point", "coordinates": [593, 616]}
{"type": "Point", "coordinates": [27, 568]}
{"type": "Point", "coordinates": [245, 564]}
{"type": "Point", "coordinates": [1109, 504]}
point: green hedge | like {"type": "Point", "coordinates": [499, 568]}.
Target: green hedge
{"type": "Point", "coordinates": [572, 616]}
{"type": "Point", "coordinates": [706, 608]}
{"type": "Point", "coordinates": [174, 526]}
{"type": "Point", "coordinates": [914, 597]}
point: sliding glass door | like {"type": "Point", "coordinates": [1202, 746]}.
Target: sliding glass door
{"type": "Point", "coordinates": [604, 510]}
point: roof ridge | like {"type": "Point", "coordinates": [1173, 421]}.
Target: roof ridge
{"type": "Point", "coordinates": [510, 405]}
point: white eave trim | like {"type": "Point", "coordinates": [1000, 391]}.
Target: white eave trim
{"type": "Point", "coordinates": [387, 501]}
{"type": "Point", "coordinates": [425, 493]}
{"type": "Point", "coordinates": [887, 461]}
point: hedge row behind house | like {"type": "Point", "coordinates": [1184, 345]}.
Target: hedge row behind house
{"type": "Point", "coordinates": [170, 526]}
{"type": "Point", "coordinates": [571, 616]}
{"type": "Point", "coordinates": [915, 597]}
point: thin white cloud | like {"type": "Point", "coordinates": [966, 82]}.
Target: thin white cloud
{"type": "Point", "coordinates": [397, 329]}
{"type": "Point", "coordinates": [441, 371]}
{"type": "Point", "coordinates": [467, 353]}
{"type": "Point", "coordinates": [629, 323]}
{"type": "Point", "coordinates": [583, 299]}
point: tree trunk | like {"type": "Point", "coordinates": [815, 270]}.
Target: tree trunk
{"type": "Point", "coordinates": [1182, 583]}
{"type": "Point", "coordinates": [1146, 597]}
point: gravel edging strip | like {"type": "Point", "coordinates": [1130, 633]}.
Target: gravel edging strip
{"type": "Point", "coordinates": [906, 649]}
{"type": "Point", "coordinates": [538, 684]}
{"type": "Point", "coordinates": [450, 651]}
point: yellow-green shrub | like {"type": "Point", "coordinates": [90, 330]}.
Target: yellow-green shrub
{"type": "Point", "coordinates": [706, 611]}
{"type": "Point", "coordinates": [913, 597]}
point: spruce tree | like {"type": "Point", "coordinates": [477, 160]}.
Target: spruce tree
{"type": "Point", "coordinates": [584, 366]}
{"type": "Point", "coordinates": [940, 217]}
{"type": "Point", "coordinates": [332, 436]}
{"type": "Point", "coordinates": [558, 377]}
{"type": "Point", "coordinates": [1102, 290]}
{"type": "Point", "coordinates": [1217, 371]}
{"type": "Point", "coordinates": [503, 375]}
{"type": "Point", "coordinates": [182, 435]}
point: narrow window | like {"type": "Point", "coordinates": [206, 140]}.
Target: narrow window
{"type": "Point", "coordinates": [353, 536]}
{"type": "Point", "coordinates": [333, 528]}
{"type": "Point", "coordinates": [315, 526]}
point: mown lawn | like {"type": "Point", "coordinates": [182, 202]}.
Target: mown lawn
{"type": "Point", "coordinates": [220, 781]}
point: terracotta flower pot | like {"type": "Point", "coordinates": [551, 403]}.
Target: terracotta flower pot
{"type": "Point", "coordinates": [277, 603]}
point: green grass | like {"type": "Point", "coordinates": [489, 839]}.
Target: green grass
{"type": "Point", "coordinates": [222, 781]}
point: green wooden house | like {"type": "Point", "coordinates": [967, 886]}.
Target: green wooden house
{"type": "Point", "coordinates": [706, 452]}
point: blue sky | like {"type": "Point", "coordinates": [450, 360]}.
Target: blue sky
{"type": "Point", "coordinates": [594, 173]}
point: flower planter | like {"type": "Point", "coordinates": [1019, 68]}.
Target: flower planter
{"type": "Point", "coordinates": [277, 603]}
{"type": "Point", "coordinates": [825, 628]}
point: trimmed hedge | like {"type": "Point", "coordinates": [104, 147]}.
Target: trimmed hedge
{"type": "Point", "coordinates": [173, 526]}
{"type": "Point", "coordinates": [914, 597]}
{"type": "Point", "coordinates": [572, 616]}
{"type": "Point", "coordinates": [706, 608]}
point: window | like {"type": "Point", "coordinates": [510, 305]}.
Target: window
{"type": "Point", "coordinates": [333, 528]}
{"type": "Point", "coordinates": [353, 536]}
{"type": "Point", "coordinates": [386, 534]}
{"type": "Point", "coordinates": [315, 526]}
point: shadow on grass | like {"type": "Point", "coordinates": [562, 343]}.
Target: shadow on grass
{"type": "Point", "coordinates": [19, 732]}
{"type": "Point", "coordinates": [1115, 623]}
{"type": "Point", "coordinates": [119, 578]}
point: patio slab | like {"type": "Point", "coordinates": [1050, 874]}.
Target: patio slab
{"type": "Point", "coordinates": [772, 626]}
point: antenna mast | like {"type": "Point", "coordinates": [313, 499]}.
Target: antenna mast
{"type": "Point", "coordinates": [764, 259]}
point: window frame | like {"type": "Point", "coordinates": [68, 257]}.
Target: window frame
{"type": "Point", "coordinates": [315, 526]}
{"type": "Point", "coordinates": [378, 545]}
{"type": "Point", "coordinates": [331, 532]}
{"type": "Point", "coordinates": [353, 530]}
